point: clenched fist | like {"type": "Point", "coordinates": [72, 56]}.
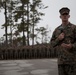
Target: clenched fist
{"type": "Point", "coordinates": [61, 36]}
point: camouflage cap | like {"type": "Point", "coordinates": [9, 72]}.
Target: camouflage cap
{"type": "Point", "coordinates": [64, 10]}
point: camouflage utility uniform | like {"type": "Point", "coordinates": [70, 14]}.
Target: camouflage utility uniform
{"type": "Point", "coordinates": [66, 57]}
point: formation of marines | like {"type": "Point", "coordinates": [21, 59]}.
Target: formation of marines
{"type": "Point", "coordinates": [27, 52]}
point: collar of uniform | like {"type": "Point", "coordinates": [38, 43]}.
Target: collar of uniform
{"type": "Point", "coordinates": [68, 25]}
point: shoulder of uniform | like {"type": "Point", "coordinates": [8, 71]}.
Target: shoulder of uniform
{"type": "Point", "coordinates": [57, 27]}
{"type": "Point", "coordinates": [73, 26]}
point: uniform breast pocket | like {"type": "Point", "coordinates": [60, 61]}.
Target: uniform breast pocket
{"type": "Point", "coordinates": [70, 36]}
{"type": "Point", "coordinates": [69, 32]}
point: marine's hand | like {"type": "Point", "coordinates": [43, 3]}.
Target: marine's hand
{"type": "Point", "coordinates": [61, 36]}
{"type": "Point", "coordinates": [68, 46]}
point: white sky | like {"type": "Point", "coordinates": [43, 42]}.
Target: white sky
{"type": "Point", "coordinates": [51, 17]}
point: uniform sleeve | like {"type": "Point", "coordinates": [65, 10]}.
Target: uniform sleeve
{"type": "Point", "coordinates": [74, 44]}
{"type": "Point", "coordinates": [54, 40]}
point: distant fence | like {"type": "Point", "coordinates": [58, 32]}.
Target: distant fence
{"type": "Point", "coordinates": [27, 52]}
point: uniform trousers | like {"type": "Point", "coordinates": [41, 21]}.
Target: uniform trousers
{"type": "Point", "coordinates": [67, 69]}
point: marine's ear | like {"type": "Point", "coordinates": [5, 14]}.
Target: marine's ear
{"type": "Point", "coordinates": [68, 16]}
{"type": "Point", "coordinates": [60, 16]}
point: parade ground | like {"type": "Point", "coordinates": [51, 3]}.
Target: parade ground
{"type": "Point", "coordinates": [29, 67]}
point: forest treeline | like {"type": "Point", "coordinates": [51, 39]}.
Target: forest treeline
{"type": "Point", "coordinates": [22, 18]}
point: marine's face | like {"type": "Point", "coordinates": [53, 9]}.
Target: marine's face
{"type": "Point", "coordinates": [64, 17]}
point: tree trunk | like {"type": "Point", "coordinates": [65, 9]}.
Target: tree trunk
{"type": "Point", "coordinates": [33, 27]}
{"type": "Point", "coordinates": [23, 27]}
{"type": "Point", "coordinates": [6, 23]}
{"type": "Point", "coordinates": [27, 24]}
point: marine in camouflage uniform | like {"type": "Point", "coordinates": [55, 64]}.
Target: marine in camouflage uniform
{"type": "Point", "coordinates": [66, 46]}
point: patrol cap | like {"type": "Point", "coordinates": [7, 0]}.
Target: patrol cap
{"type": "Point", "coordinates": [64, 10]}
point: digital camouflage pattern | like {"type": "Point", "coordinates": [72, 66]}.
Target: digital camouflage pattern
{"type": "Point", "coordinates": [65, 56]}
{"type": "Point", "coordinates": [67, 69]}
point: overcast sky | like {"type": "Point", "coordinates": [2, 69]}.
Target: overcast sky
{"type": "Point", "coordinates": [51, 17]}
